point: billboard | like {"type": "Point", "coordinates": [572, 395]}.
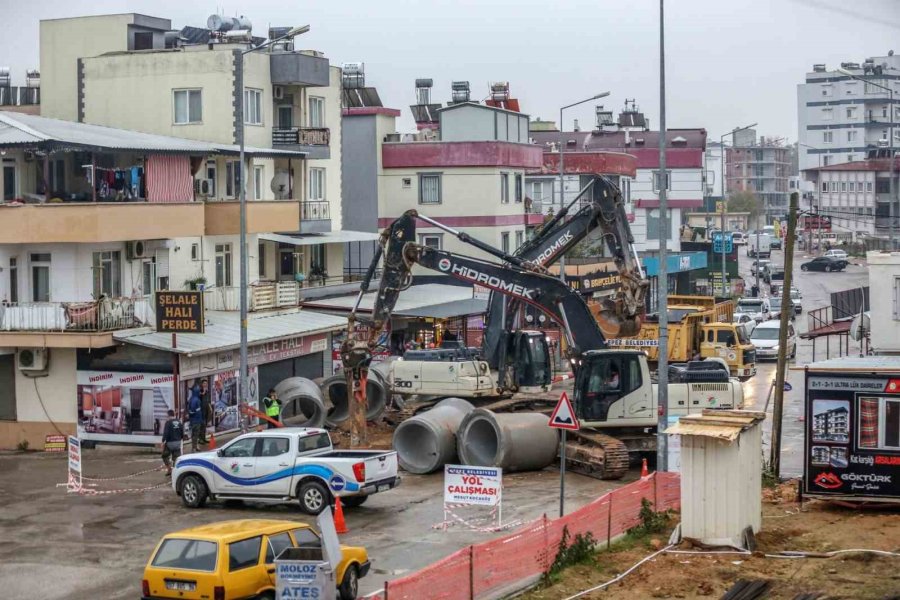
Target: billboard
{"type": "Point", "coordinates": [852, 436]}
{"type": "Point", "coordinates": [123, 407]}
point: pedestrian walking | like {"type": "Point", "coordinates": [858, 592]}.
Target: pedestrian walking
{"type": "Point", "coordinates": [206, 408]}
{"type": "Point", "coordinates": [195, 415]}
{"type": "Point", "coordinates": [273, 408]}
{"type": "Point", "coordinates": [172, 436]}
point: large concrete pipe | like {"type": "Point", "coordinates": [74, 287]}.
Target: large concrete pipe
{"type": "Point", "coordinates": [512, 441]}
{"type": "Point", "coordinates": [335, 391]}
{"type": "Point", "coordinates": [302, 402]}
{"type": "Point", "coordinates": [427, 441]}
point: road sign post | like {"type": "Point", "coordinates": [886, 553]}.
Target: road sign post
{"type": "Point", "coordinates": [563, 418]}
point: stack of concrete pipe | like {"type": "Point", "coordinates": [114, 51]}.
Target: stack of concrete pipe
{"type": "Point", "coordinates": [427, 441]}
{"type": "Point", "coordinates": [302, 402]}
{"type": "Point", "coordinates": [335, 391]}
{"type": "Point", "coordinates": [512, 441]}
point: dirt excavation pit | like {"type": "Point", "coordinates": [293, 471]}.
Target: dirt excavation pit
{"type": "Point", "coordinates": [821, 527]}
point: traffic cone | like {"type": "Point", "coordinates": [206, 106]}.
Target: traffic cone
{"type": "Point", "coordinates": [212, 441]}
{"type": "Point", "coordinates": [340, 525]}
{"type": "Point", "coordinates": [644, 471]}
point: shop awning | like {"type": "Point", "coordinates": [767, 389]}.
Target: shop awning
{"type": "Point", "coordinates": [311, 239]}
{"type": "Point", "coordinates": [447, 310]}
{"type": "Point", "coordinates": [420, 299]}
{"type": "Point", "coordinates": [223, 331]}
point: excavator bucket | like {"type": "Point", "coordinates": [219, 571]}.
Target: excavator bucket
{"type": "Point", "coordinates": [613, 321]}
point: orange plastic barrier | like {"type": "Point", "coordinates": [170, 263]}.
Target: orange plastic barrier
{"type": "Point", "coordinates": [508, 563]}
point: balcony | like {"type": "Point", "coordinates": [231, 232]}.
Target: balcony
{"type": "Point", "coordinates": [263, 216]}
{"type": "Point", "coordinates": [299, 68]}
{"type": "Point", "coordinates": [271, 295]}
{"type": "Point", "coordinates": [315, 216]}
{"type": "Point", "coordinates": [313, 140]}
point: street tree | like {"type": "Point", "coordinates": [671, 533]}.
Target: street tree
{"type": "Point", "coordinates": [745, 201]}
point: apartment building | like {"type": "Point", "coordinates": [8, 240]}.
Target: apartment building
{"type": "Point", "coordinates": [842, 118]}
{"type": "Point", "coordinates": [761, 166]}
{"type": "Point", "coordinates": [831, 425]}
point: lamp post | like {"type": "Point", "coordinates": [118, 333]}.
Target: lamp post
{"type": "Point", "coordinates": [562, 185]}
{"type": "Point", "coordinates": [662, 275]}
{"type": "Point", "coordinates": [818, 199]}
{"type": "Point", "coordinates": [891, 198]}
{"type": "Point", "coordinates": [725, 204]}
{"type": "Point", "coordinates": [239, 109]}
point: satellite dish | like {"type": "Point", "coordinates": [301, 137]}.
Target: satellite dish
{"type": "Point", "coordinates": [860, 326]}
{"type": "Point", "coordinates": [280, 184]}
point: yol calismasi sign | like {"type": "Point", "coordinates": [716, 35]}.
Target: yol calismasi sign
{"type": "Point", "coordinates": [852, 436]}
{"type": "Point", "coordinates": [179, 312]}
{"type": "Point", "coordinates": [472, 485]}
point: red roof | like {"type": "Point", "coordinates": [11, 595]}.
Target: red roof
{"type": "Point", "coordinates": [684, 147]}
{"type": "Point", "coordinates": [872, 164]}
{"type": "Point", "coordinates": [589, 163]}
{"type": "Point", "coordinates": [459, 154]}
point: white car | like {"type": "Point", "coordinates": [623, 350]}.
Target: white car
{"type": "Point", "coordinates": [833, 253]}
{"type": "Point", "coordinates": [765, 338]}
{"type": "Point", "coordinates": [757, 308]}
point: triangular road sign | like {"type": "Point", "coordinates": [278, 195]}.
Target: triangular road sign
{"type": "Point", "coordinates": [563, 416]}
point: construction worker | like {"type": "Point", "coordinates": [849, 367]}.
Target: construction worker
{"type": "Point", "coordinates": [173, 434]}
{"type": "Point", "coordinates": [273, 408]}
{"type": "Point", "coordinates": [195, 415]}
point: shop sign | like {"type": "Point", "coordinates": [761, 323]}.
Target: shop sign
{"type": "Point", "coordinates": [852, 439]}
{"type": "Point", "coordinates": [74, 482]}
{"type": "Point", "coordinates": [55, 443]}
{"type": "Point", "coordinates": [179, 312]}
{"type": "Point", "coordinates": [258, 354]}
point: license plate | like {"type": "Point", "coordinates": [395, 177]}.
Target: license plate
{"type": "Point", "coordinates": [384, 487]}
{"type": "Point", "coordinates": [181, 586]}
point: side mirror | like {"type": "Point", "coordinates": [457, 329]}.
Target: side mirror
{"type": "Point", "coordinates": [220, 452]}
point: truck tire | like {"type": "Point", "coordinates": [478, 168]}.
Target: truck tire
{"type": "Point", "coordinates": [354, 501]}
{"type": "Point", "coordinates": [194, 491]}
{"type": "Point", "coordinates": [314, 497]}
{"type": "Point", "coordinates": [350, 585]}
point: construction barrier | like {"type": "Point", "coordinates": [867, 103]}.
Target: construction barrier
{"type": "Point", "coordinates": [509, 563]}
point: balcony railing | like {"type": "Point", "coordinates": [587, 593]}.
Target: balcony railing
{"type": "Point", "coordinates": [315, 210]}
{"type": "Point", "coordinates": [303, 136]}
{"type": "Point", "coordinates": [108, 314]}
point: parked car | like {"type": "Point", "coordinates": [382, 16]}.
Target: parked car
{"type": "Point", "coordinates": [775, 244]}
{"type": "Point", "coordinates": [757, 308]}
{"type": "Point", "coordinates": [236, 560]}
{"type": "Point", "coordinates": [824, 263]}
{"type": "Point", "coordinates": [759, 264]}
{"type": "Point", "coordinates": [738, 237]}
{"type": "Point", "coordinates": [835, 253]}
{"type": "Point", "coordinates": [281, 465]}
{"type": "Point", "coordinates": [796, 297]}
{"type": "Point", "coordinates": [765, 338]}
{"type": "Point", "coordinates": [777, 303]}
{"type": "Point", "coordinates": [773, 273]}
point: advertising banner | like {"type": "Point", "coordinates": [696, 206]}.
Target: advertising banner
{"type": "Point", "coordinates": [852, 436]}
{"type": "Point", "coordinates": [472, 485]}
{"type": "Point", "coordinates": [219, 398]}
{"type": "Point", "coordinates": [123, 407]}
{"type": "Point", "coordinates": [74, 479]}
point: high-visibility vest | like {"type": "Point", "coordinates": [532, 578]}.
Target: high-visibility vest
{"type": "Point", "coordinates": [272, 408]}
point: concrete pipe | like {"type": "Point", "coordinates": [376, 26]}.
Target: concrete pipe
{"type": "Point", "coordinates": [427, 441]}
{"type": "Point", "coordinates": [303, 404]}
{"type": "Point", "coordinates": [512, 441]}
{"type": "Point", "coordinates": [335, 391]}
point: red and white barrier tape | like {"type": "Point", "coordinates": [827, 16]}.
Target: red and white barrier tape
{"type": "Point", "coordinates": [474, 524]}
{"type": "Point", "coordinates": [90, 492]}
{"type": "Point", "coordinates": [86, 478]}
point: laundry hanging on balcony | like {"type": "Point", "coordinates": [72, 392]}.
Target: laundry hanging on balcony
{"type": "Point", "coordinates": [169, 179]}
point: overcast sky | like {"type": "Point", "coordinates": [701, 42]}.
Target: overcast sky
{"type": "Point", "coordinates": [728, 62]}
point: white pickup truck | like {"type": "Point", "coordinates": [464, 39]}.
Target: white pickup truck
{"type": "Point", "coordinates": [283, 465]}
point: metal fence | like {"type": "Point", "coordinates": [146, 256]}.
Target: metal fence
{"type": "Point", "coordinates": [107, 314]}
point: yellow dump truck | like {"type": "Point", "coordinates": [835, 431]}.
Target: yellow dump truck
{"type": "Point", "coordinates": [698, 324]}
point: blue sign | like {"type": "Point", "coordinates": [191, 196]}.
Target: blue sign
{"type": "Point", "coordinates": [676, 263]}
{"type": "Point", "coordinates": [338, 483]}
{"type": "Point", "coordinates": [717, 242]}
{"type": "Point", "coordinates": [788, 387]}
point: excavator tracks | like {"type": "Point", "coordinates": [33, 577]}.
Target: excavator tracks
{"type": "Point", "coordinates": [597, 455]}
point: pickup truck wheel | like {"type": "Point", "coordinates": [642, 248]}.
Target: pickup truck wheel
{"type": "Point", "coordinates": [350, 585]}
{"type": "Point", "coordinates": [354, 501]}
{"type": "Point", "coordinates": [314, 497]}
{"type": "Point", "coordinates": [193, 491]}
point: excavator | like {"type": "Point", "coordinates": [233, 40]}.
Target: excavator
{"type": "Point", "coordinates": [613, 391]}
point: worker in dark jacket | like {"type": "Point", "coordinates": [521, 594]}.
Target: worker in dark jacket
{"type": "Point", "coordinates": [172, 435]}
{"type": "Point", "coordinates": [195, 415]}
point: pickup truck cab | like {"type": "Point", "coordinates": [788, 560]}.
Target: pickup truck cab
{"type": "Point", "coordinates": [284, 465]}
{"type": "Point", "coordinates": [757, 308]}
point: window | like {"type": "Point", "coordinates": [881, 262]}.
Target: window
{"type": "Point", "coordinates": [243, 554]}
{"type": "Point", "coordinates": [850, 158]}
{"type": "Point", "coordinates": [827, 137]}
{"type": "Point", "coordinates": [274, 446]}
{"type": "Point", "coordinates": [317, 259]}
{"type": "Point", "coordinates": [276, 545]}
{"type": "Point", "coordinates": [540, 190]}
{"type": "Point", "coordinates": [316, 184]}
{"type": "Point", "coordinates": [148, 276]}
{"type": "Point", "coordinates": [223, 265]}
{"type": "Point", "coordinates": [107, 274]}
{"type": "Point", "coordinates": [504, 242]}
{"type": "Point", "coordinates": [884, 111]}
{"type": "Point", "coordinates": [843, 186]}
{"type": "Point", "coordinates": [520, 239]}
{"type": "Point", "coordinates": [309, 443]}
{"type": "Point", "coordinates": [188, 106]}
{"type": "Point", "coordinates": [826, 160]}
{"type": "Point", "coordinates": [825, 186]}
{"type": "Point", "coordinates": [518, 187]}
{"type": "Point", "coordinates": [211, 176]}
{"type": "Point", "coordinates": [252, 106]}
{"type": "Point", "coordinates": [897, 298]}
{"type": "Point", "coordinates": [879, 423]}
{"type": "Point", "coordinates": [827, 114]}
{"type": "Point", "coordinates": [653, 224]}
{"type": "Point", "coordinates": [851, 136]}
{"type": "Point", "coordinates": [316, 111]}
{"type": "Point", "coordinates": [244, 448]}
{"type": "Point", "coordinates": [431, 240]}
{"type": "Point", "coordinates": [304, 536]}
{"type": "Point", "coordinates": [504, 188]}
{"type": "Point", "coordinates": [191, 555]}
{"type": "Point", "coordinates": [406, 183]}
{"type": "Point", "coordinates": [258, 179]}
{"type": "Point", "coordinates": [261, 258]}
{"type": "Point", "coordinates": [657, 179]}
{"type": "Point", "coordinates": [232, 179]}
{"type": "Point", "coordinates": [429, 188]}
{"type": "Point", "coordinates": [834, 186]}
{"type": "Point", "coordinates": [195, 251]}
{"type": "Point", "coordinates": [851, 112]}
{"type": "Point", "coordinates": [827, 89]}
{"type": "Point", "coordinates": [13, 279]}
{"type": "Point", "coordinates": [868, 186]}
{"type": "Point", "coordinates": [9, 179]}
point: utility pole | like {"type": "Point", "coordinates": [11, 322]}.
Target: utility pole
{"type": "Point", "coordinates": [662, 446]}
{"type": "Point", "coordinates": [786, 312]}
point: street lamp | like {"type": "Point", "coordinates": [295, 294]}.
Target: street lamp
{"type": "Point", "coordinates": [239, 81]}
{"type": "Point", "coordinates": [562, 185]}
{"type": "Point", "coordinates": [725, 205]}
{"type": "Point", "coordinates": [891, 109]}
{"type": "Point", "coordinates": [818, 198]}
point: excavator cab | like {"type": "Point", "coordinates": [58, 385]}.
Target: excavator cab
{"type": "Point", "coordinates": [529, 356]}
{"type": "Point", "coordinates": [603, 379]}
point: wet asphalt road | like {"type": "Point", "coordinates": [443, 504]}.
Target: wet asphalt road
{"type": "Point", "coordinates": [816, 288]}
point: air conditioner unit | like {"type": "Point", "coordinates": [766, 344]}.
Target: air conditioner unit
{"type": "Point", "coordinates": [134, 250]}
{"type": "Point", "coordinates": [202, 186]}
{"type": "Point", "coordinates": [32, 359]}
{"type": "Point", "coordinates": [278, 92]}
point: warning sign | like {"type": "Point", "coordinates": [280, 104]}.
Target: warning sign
{"type": "Point", "coordinates": [563, 416]}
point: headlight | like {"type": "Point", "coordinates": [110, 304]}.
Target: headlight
{"type": "Point", "coordinates": [775, 348]}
